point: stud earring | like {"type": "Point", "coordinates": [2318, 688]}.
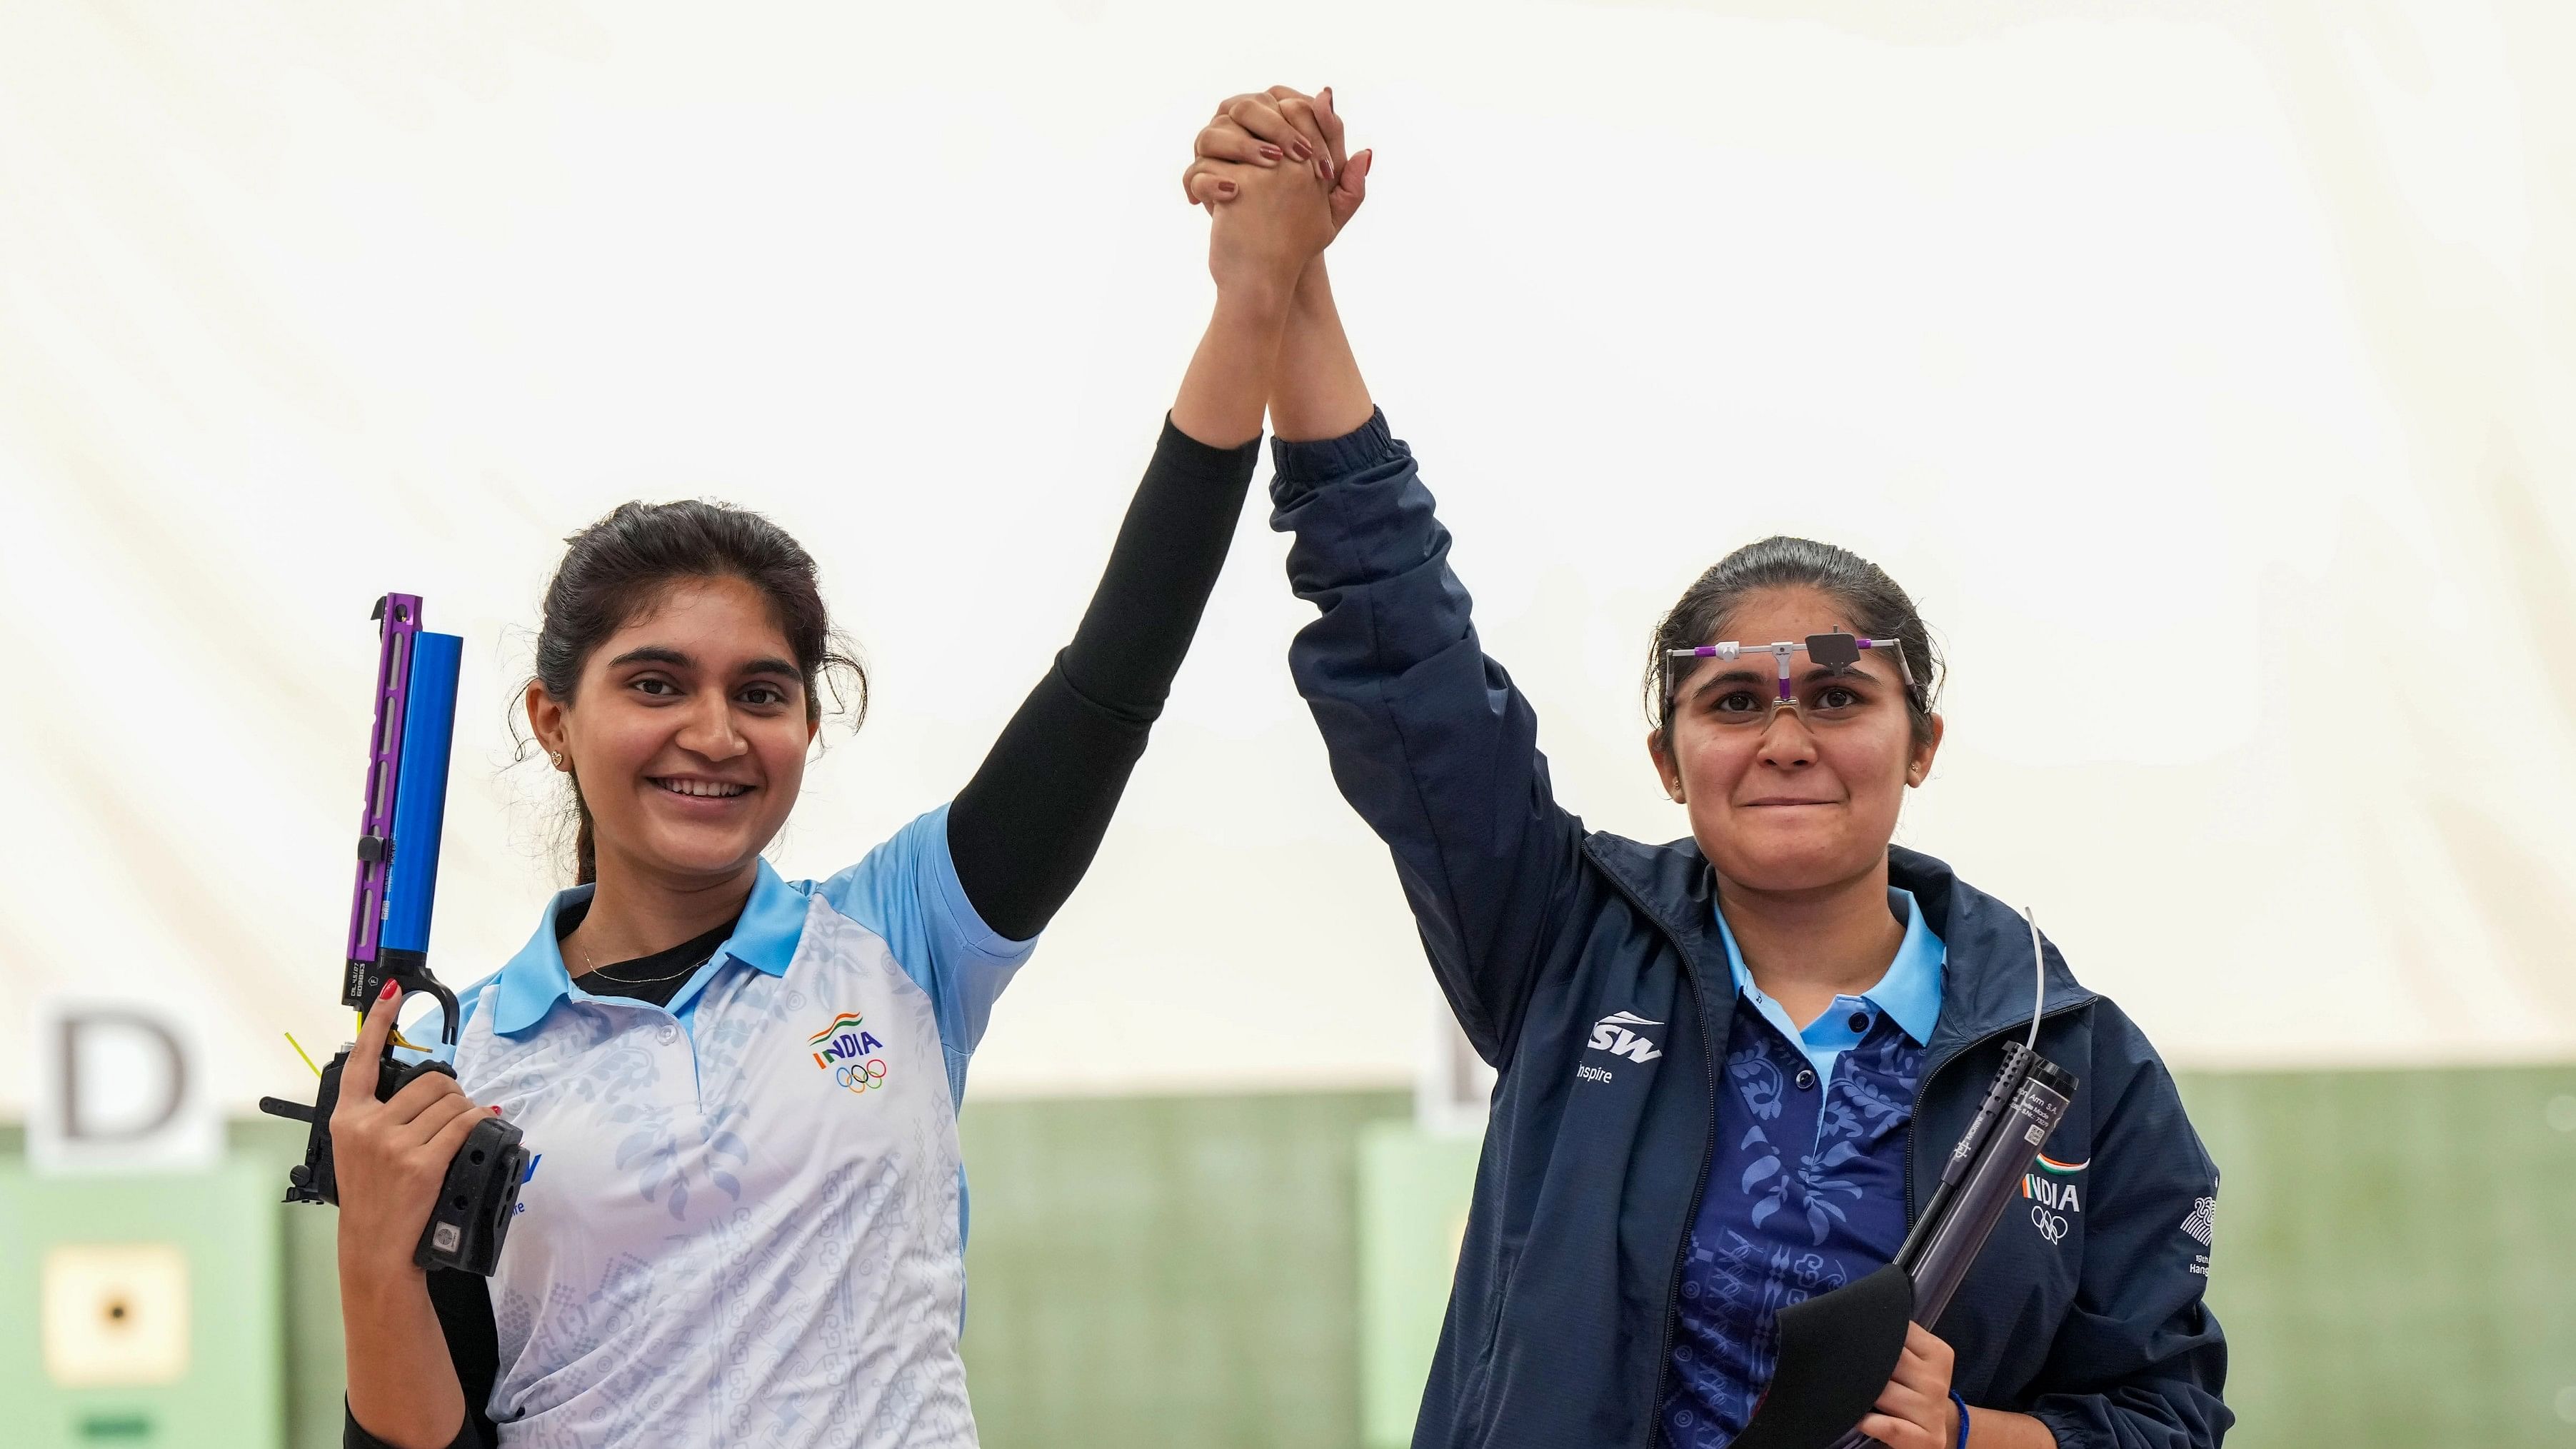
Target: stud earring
{"type": "Point", "coordinates": [558, 759]}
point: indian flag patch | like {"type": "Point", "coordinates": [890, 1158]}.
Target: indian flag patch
{"type": "Point", "coordinates": [847, 1018]}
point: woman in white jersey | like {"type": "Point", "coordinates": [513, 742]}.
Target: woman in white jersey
{"type": "Point", "coordinates": [746, 1224]}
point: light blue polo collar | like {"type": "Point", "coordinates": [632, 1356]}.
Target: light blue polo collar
{"type": "Point", "coordinates": [1910, 992]}
{"type": "Point", "coordinates": [773, 920]}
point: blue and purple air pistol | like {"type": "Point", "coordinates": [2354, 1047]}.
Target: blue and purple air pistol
{"type": "Point", "coordinates": [407, 749]}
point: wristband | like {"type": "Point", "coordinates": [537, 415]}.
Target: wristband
{"type": "Point", "coordinates": [1962, 1406]}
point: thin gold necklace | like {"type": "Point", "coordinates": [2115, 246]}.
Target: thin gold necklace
{"type": "Point", "coordinates": [590, 967]}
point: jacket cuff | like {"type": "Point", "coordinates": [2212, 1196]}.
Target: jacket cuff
{"type": "Point", "coordinates": [1181, 453]}
{"type": "Point", "coordinates": [2071, 1431]}
{"type": "Point", "coordinates": [1296, 465]}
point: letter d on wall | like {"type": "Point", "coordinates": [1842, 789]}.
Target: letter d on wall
{"type": "Point", "coordinates": [120, 1087]}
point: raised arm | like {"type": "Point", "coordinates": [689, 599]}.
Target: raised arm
{"type": "Point", "coordinates": [1025, 828]}
{"type": "Point", "coordinates": [1429, 738]}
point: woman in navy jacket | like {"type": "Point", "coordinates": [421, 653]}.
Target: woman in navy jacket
{"type": "Point", "coordinates": [1729, 1065]}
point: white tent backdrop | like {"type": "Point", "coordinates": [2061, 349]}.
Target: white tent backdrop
{"type": "Point", "coordinates": [2208, 371]}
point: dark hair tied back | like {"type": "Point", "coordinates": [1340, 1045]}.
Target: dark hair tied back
{"type": "Point", "coordinates": [1873, 607]}
{"type": "Point", "coordinates": [619, 567]}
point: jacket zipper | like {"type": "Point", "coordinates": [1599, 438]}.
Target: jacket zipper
{"type": "Point", "coordinates": [1923, 1087]}
{"type": "Point", "coordinates": [1699, 1186]}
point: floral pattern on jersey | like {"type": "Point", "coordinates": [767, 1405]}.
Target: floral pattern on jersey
{"type": "Point", "coordinates": [586, 1053]}
{"type": "Point", "coordinates": [740, 1008]}
{"type": "Point", "coordinates": [1805, 1194]}
{"type": "Point", "coordinates": [652, 1148]}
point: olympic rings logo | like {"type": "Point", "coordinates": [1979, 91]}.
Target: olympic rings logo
{"type": "Point", "coordinates": [863, 1076]}
{"type": "Point", "coordinates": [2050, 1225]}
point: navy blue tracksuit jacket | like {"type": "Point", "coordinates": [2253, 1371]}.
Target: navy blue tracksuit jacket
{"type": "Point", "coordinates": [1557, 1333]}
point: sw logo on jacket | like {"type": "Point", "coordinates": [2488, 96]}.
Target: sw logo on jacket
{"type": "Point", "coordinates": [1610, 1034]}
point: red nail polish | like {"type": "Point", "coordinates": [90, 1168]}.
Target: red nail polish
{"type": "Point", "coordinates": [496, 1109]}
{"type": "Point", "coordinates": [1270, 153]}
{"type": "Point", "coordinates": [392, 988]}
{"type": "Point", "coordinates": [1225, 188]}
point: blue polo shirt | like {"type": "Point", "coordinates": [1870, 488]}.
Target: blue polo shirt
{"type": "Point", "coordinates": [1806, 1188]}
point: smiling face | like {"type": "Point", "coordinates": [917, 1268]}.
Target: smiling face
{"type": "Point", "coordinates": [1781, 801]}
{"type": "Point", "coordinates": [687, 733]}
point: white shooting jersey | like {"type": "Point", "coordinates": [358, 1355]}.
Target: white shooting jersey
{"type": "Point", "coordinates": [745, 1222]}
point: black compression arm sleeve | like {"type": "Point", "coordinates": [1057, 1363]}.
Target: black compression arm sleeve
{"type": "Point", "coordinates": [1024, 829]}
{"type": "Point", "coordinates": [464, 1305]}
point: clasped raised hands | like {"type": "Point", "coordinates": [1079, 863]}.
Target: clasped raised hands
{"type": "Point", "coordinates": [1270, 168]}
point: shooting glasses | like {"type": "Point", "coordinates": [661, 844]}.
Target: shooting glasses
{"type": "Point", "coordinates": [1836, 691]}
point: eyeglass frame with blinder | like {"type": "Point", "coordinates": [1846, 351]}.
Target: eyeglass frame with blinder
{"type": "Point", "coordinates": [1838, 652]}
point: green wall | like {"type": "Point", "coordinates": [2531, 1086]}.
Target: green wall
{"type": "Point", "coordinates": [2396, 1255]}
{"type": "Point", "coordinates": [2395, 1264]}
{"type": "Point", "coordinates": [1166, 1271]}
